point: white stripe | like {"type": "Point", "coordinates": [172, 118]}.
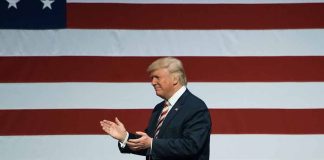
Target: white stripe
{"type": "Point", "coordinates": [162, 42]}
{"type": "Point", "coordinates": [223, 147]}
{"type": "Point", "coordinates": [142, 95]}
{"type": "Point", "coordinates": [267, 147]}
{"type": "Point", "coordinates": [61, 148]}
{"type": "Point", "coordinates": [195, 1]}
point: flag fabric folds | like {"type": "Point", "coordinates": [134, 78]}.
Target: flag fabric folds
{"type": "Point", "coordinates": [66, 65]}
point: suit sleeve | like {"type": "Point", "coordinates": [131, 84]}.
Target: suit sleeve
{"type": "Point", "coordinates": [195, 135]}
{"type": "Point", "coordinates": [134, 136]}
{"type": "Point", "coordinates": [126, 148]}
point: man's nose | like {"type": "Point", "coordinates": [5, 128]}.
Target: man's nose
{"type": "Point", "coordinates": [153, 81]}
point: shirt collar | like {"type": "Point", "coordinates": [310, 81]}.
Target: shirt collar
{"type": "Point", "coordinates": [177, 95]}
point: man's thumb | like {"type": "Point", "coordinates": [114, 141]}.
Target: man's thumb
{"type": "Point", "coordinates": [118, 122]}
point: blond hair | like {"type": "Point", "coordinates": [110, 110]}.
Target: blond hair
{"type": "Point", "coordinates": [173, 65]}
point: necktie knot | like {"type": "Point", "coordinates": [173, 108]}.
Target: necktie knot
{"type": "Point", "coordinates": [166, 104]}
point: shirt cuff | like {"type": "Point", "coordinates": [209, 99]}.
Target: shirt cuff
{"type": "Point", "coordinates": [151, 145]}
{"type": "Point", "coordinates": [123, 144]}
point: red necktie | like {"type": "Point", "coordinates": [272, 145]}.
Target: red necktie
{"type": "Point", "coordinates": [162, 117]}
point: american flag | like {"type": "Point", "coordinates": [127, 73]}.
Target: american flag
{"type": "Point", "coordinates": [66, 65]}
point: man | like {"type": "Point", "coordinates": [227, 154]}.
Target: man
{"type": "Point", "coordinates": [179, 127]}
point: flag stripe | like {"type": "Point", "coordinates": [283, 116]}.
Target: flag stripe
{"type": "Point", "coordinates": [194, 16]}
{"type": "Point", "coordinates": [76, 42]}
{"type": "Point", "coordinates": [256, 63]}
{"type": "Point", "coordinates": [225, 121]}
{"type": "Point", "coordinates": [131, 95]}
{"type": "Point", "coordinates": [195, 1]}
{"type": "Point", "coordinates": [222, 147]}
{"type": "Point", "coordinates": [132, 69]}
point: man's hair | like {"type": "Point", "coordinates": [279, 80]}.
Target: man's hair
{"type": "Point", "coordinates": [173, 65]}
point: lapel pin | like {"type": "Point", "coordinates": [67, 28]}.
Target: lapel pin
{"type": "Point", "coordinates": [176, 109]}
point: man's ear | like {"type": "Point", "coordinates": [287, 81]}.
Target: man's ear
{"type": "Point", "coordinates": [175, 79]}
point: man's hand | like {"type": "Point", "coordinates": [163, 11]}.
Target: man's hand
{"type": "Point", "coordinates": [141, 143]}
{"type": "Point", "coordinates": [114, 129]}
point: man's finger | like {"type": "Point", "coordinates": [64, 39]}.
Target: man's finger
{"type": "Point", "coordinates": [134, 148]}
{"type": "Point", "coordinates": [118, 122]}
{"type": "Point", "coordinates": [132, 144]}
{"type": "Point", "coordinates": [134, 140]}
{"type": "Point", "coordinates": [141, 133]}
{"type": "Point", "coordinates": [107, 130]}
{"type": "Point", "coordinates": [105, 125]}
{"type": "Point", "coordinates": [105, 122]}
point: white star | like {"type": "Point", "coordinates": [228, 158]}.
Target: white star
{"type": "Point", "coordinates": [12, 3]}
{"type": "Point", "coordinates": [47, 3]}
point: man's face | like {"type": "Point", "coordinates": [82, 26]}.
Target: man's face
{"type": "Point", "coordinates": [163, 83]}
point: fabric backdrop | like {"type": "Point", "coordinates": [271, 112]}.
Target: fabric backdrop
{"type": "Point", "coordinates": [64, 66]}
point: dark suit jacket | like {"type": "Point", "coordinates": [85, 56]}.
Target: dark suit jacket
{"type": "Point", "coordinates": [185, 132]}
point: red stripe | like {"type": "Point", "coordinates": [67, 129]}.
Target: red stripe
{"type": "Point", "coordinates": [133, 69]}
{"type": "Point", "coordinates": [225, 121]}
{"type": "Point", "coordinates": [195, 16]}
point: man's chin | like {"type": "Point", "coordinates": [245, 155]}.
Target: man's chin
{"type": "Point", "coordinates": [158, 94]}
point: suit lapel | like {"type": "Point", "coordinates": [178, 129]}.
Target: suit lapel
{"type": "Point", "coordinates": [173, 112]}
